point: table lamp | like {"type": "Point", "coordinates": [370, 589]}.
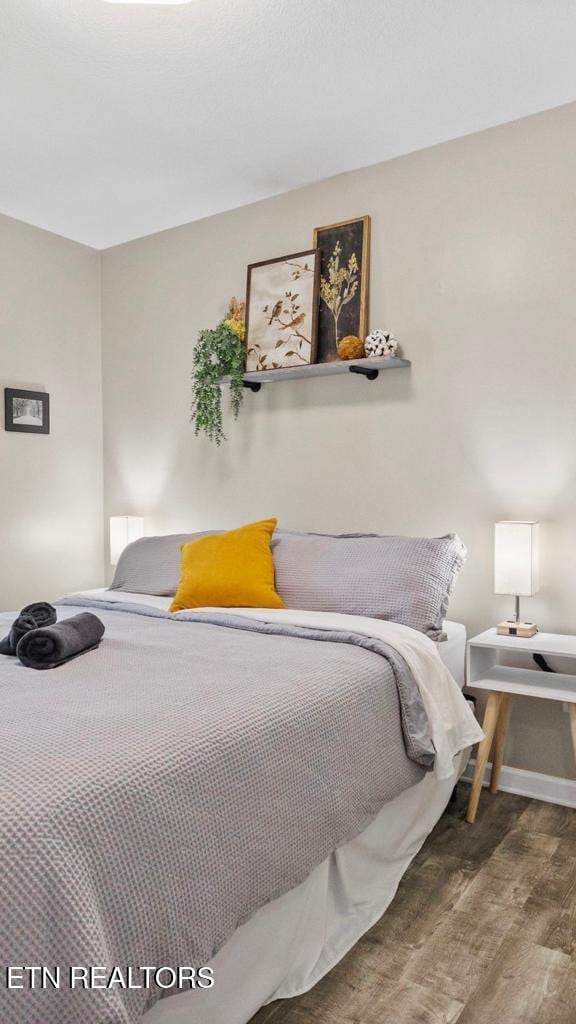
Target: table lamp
{"type": "Point", "coordinates": [123, 530]}
{"type": "Point", "coordinates": [516, 570]}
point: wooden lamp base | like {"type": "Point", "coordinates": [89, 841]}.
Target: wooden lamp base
{"type": "Point", "coordinates": [512, 628]}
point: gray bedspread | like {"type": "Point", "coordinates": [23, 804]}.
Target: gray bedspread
{"type": "Point", "coordinates": [158, 790]}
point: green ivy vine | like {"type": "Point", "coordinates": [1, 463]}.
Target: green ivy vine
{"type": "Point", "coordinates": [219, 353]}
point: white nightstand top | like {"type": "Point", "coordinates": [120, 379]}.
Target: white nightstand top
{"type": "Point", "coordinates": [484, 672]}
{"type": "Point", "coordinates": [562, 644]}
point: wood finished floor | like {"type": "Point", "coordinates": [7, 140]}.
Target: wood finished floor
{"type": "Point", "coordinates": [482, 929]}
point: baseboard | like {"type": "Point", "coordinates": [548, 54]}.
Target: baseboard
{"type": "Point", "coordinates": [550, 788]}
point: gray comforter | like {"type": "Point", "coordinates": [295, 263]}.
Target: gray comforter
{"type": "Point", "coordinates": [158, 790]}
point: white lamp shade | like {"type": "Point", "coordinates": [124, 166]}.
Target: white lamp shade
{"type": "Point", "coordinates": [123, 530]}
{"type": "Point", "coordinates": [516, 558]}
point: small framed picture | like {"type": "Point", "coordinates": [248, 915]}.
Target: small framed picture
{"type": "Point", "coordinates": [27, 411]}
{"type": "Point", "coordinates": [345, 271]}
{"type": "Point", "coordinates": [282, 311]}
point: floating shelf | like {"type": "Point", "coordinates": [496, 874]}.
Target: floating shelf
{"type": "Point", "coordinates": [368, 368]}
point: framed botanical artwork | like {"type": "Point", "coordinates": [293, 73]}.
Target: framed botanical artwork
{"type": "Point", "coordinates": [27, 411]}
{"type": "Point", "coordinates": [344, 283]}
{"type": "Point", "coordinates": [282, 311]}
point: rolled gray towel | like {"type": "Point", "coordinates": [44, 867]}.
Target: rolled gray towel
{"type": "Point", "coordinates": [54, 645]}
{"type": "Point", "coordinates": [33, 616]}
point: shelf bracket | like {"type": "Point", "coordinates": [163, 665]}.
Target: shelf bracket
{"type": "Point", "coordinates": [252, 385]}
{"type": "Point", "coordinates": [365, 372]}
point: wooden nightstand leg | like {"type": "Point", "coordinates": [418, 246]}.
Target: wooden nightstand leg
{"type": "Point", "coordinates": [501, 730]}
{"type": "Point", "coordinates": [489, 726]}
{"type": "Point", "coordinates": [572, 713]}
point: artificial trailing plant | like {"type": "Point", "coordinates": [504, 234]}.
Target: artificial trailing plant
{"type": "Point", "coordinates": [220, 352]}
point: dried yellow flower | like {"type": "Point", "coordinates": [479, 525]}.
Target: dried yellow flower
{"type": "Point", "coordinates": [237, 326]}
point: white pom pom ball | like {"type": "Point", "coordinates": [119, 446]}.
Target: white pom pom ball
{"type": "Point", "coordinates": [380, 343]}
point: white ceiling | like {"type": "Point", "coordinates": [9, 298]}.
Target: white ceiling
{"type": "Point", "coordinates": [119, 120]}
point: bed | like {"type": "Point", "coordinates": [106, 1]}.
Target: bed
{"type": "Point", "coordinates": [241, 791]}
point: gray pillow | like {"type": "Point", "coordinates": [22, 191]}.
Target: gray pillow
{"type": "Point", "coordinates": [151, 565]}
{"type": "Point", "coordinates": [403, 579]}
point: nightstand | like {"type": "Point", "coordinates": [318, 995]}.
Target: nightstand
{"type": "Point", "coordinates": [485, 672]}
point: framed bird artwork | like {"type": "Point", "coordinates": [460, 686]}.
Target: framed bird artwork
{"type": "Point", "coordinates": [282, 299]}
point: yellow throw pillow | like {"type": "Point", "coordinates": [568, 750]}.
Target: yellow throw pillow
{"type": "Point", "coordinates": [229, 570]}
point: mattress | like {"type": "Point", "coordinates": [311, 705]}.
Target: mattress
{"type": "Point", "coordinates": [453, 650]}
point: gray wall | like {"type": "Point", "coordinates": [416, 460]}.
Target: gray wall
{"type": "Point", "coordinates": [50, 486]}
{"type": "Point", "coordinates": [473, 257]}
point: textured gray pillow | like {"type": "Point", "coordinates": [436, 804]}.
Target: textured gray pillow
{"type": "Point", "coordinates": [151, 565]}
{"type": "Point", "coordinates": [403, 579]}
